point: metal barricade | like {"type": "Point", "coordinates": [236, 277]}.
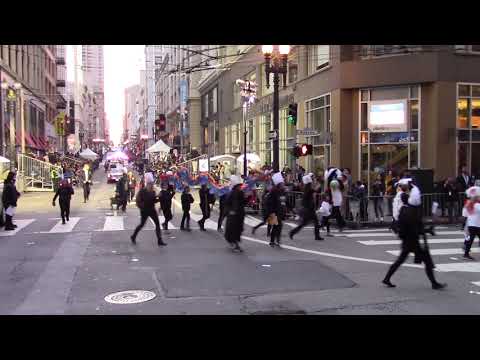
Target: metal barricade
{"type": "Point", "coordinates": [35, 175]}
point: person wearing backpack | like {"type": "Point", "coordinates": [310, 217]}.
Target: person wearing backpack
{"type": "Point", "coordinates": [146, 199]}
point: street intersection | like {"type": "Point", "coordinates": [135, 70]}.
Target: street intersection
{"type": "Point", "coordinates": [50, 268]}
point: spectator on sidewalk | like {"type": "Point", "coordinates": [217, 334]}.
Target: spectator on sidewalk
{"type": "Point", "coordinates": [464, 180]}
{"type": "Point", "coordinates": [451, 198]}
{"type": "Point", "coordinates": [378, 191]}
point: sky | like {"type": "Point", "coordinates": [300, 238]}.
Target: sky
{"type": "Point", "coordinates": [122, 65]}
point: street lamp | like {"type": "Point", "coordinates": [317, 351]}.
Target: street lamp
{"type": "Point", "coordinates": [276, 62]}
{"type": "Point", "coordinates": [248, 92]}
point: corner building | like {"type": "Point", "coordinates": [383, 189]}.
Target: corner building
{"type": "Point", "coordinates": [374, 108]}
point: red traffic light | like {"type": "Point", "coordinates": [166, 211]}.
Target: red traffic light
{"type": "Point", "coordinates": [304, 149]}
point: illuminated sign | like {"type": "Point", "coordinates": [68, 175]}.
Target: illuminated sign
{"type": "Point", "coordinates": [389, 115]}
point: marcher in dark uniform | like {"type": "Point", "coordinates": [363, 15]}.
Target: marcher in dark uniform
{"type": "Point", "coordinates": [264, 214]}
{"type": "Point", "coordinates": [409, 226]}
{"type": "Point", "coordinates": [146, 199]}
{"type": "Point", "coordinates": [235, 208]}
{"type": "Point", "coordinates": [204, 205]}
{"type": "Point", "coordinates": [64, 193]}
{"type": "Point", "coordinates": [308, 203]}
{"type": "Point", "coordinates": [187, 200]}
{"type": "Point", "coordinates": [122, 191]}
{"type": "Point", "coordinates": [9, 200]}
{"type": "Point", "coordinates": [166, 196]}
{"type": "Point", "coordinates": [276, 208]}
{"type": "Point", "coordinates": [221, 206]}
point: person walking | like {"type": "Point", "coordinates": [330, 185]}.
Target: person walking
{"type": "Point", "coordinates": [308, 204]}
{"type": "Point", "coordinates": [132, 184]}
{"type": "Point", "coordinates": [402, 187]}
{"type": "Point", "coordinates": [276, 209]}
{"type": "Point", "coordinates": [64, 194]}
{"type": "Point", "coordinates": [204, 206]}
{"type": "Point", "coordinates": [9, 200]}
{"type": "Point", "coordinates": [166, 196]}
{"type": "Point", "coordinates": [337, 200]}
{"type": "Point", "coordinates": [473, 219]}
{"type": "Point", "coordinates": [187, 201]}
{"type": "Point", "coordinates": [378, 191]}
{"type": "Point", "coordinates": [86, 182]}
{"type": "Point", "coordinates": [122, 191]}
{"type": "Point", "coordinates": [390, 190]}
{"type": "Point", "coordinates": [146, 199]}
{"type": "Point", "coordinates": [409, 225]}
{"type": "Point", "coordinates": [235, 208]}
{"type": "Point", "coordinates": [264, 213]}
{"type": "Point", "coordinates": [325, 212]}
{"type": "Point", "coordinates": [222, 214]}
{"type": "Point", "coordinates": [55, 176]}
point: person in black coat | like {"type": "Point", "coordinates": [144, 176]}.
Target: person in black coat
{"type": "Point", "coordinates": [221, 206]}
{"type": "Point", "coordinates": [146, 199]}
{"type": "Point", "coordinates": [187, 200]}
{"type": "Point", "coordinates": [264, 214]}
{"type": "Point", "coordinates": [9, 200]}
{"type": "Point", "coordinates": [464, 180]}
{"type": "Point", "coordinates": [378, 191]}
{"type": "Point", "coordinates": [235, 207]}
{"type": "Point", "coordinates": [204, 205]}
{"type": "Point", "coordinates": [450, 189]}
{"type": "Point", "coordinates": [122, 191]}
{"type": "Point", "coordinates": [166, 196]}
{"type": "Point", "coordinates": [64, 193]}
{"type": "Point", "coordinates": [409, 233]}
{"type": "Point", "coordinates": [308, 203]}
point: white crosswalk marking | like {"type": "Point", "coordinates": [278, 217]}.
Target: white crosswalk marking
{"type": "Point", "coordinates": [454, 251]}
{"type": "Point", "coordinates": [113, 223]}
{"type": "Point", "coordinates": [20, 225]}
{"type": "Point", "coordinates": [397, 242]}
{"type": "Point", "coordinates": [64, 228]}
{"type": "Point", "coordinates": [251, 221]}
{"type": "Point", "coordinates": [161, 219]}
{"type": "Point", "coordinates": [391, 234]}
{"type": "Point", "coordinates": [209, 224]}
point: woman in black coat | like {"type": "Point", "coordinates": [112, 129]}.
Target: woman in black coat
{"type": "Point", "coordinates": [64, 193]}
{"type": "Point", "coordinates": [409, 233]}
{"type": "Point", "coordinates": [9, 200]}
{"type": "Point", "coordinates": [235, 208]}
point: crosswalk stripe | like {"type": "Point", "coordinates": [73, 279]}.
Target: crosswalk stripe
{"type": "Point", "coordinates": [209, 224]}
{"type": "Point", "coordinates": [477, 283]}
{"type": "Point", "coordinates": [113, 223]}
{"type": "Point", "coordinates": [64, 228]}
{"type": "Point", "coordinates": [396, 242]}
{"type": "Point", "coordinates": [251, 221]}
{"type": "Point", "coordinates": [459, 266]}
{"type": "Point", "coordinates": [454, 251]}
{"type": "Point", "coordinates": [161, 219]}
{"type": "Point", "coordinates": [389, 234]}
{"type": "Point", "coordinates": [20, 225]}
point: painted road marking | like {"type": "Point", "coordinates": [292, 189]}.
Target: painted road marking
{"type": "Point", "coordinates": [477, 283]}
{"type": "Point", "coordinates": [388, 234]}
{"type": "Point", "coordinates": [338, 256]}
{"type": "Point", "coordinates": [440, 251]}
{"type": "Point", "coordinates": [397, 242]}
{"type": "Point", "coordinates": [251, 221]}
{"type": "Point", "coordinates": [209, 224]}
{"type": "Point", "coordinates": [20, 225]}
{"type": "Point", "coordinates": [64, 228]}
{"type": "Point", "coordinates": [161, 219]}
{"type": "Point", "coordinates": [113, 223]}
{"type": "Point", "coordinates": [460, 267]}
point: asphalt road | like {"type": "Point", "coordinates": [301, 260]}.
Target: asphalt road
{"type": "Point", "coordinates": [49, 268]}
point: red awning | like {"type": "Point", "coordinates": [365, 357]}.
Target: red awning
{"type": "Point", "coordinates": [30, 142]}
{"type": "Point", "coordinates": [41, 143]}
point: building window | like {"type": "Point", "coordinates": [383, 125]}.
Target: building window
{"type": "Point", "coordinates": [468, 127]}
{"type": "Point", "coordinates": [318, 57]}
{"type": "Point", "coordinates": [237, 101]}
{"type": "Point", "coordinates": [369, 51]}
{"type": "Point", "coordinates": [205, 106]}
{"type": "Point", "coordinates": [214, 101]}
{"type": "Point", "coordinates": [317, 115]}
{"type": "Point", "coordinates": [389, 150]}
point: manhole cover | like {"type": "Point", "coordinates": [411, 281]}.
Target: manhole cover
{"type": "Point", "coordinates": [130, 297]}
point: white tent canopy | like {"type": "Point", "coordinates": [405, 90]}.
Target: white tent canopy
{"type": "Point", "coordinates": [159, 146]}
{"type": "Point", "coordinates": [4, 160]}
{"type": "Point", "coordinates": [88, 154]}
{"type": "Point", "coordinates": [251, 157]}
{"type": "Point", "coordinates": [222, 157]}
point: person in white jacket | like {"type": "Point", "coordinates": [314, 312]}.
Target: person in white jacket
{"type": "Point", "coordinates": [473, 219]}
{"type": "Point", "coordinates": [402, 187]}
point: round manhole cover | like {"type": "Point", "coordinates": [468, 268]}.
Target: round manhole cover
{"type": "Point", "coordinates": [130, 297]}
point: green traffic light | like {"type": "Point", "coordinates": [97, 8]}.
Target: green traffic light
{"type": "Point", "coordinates": [291, 120]}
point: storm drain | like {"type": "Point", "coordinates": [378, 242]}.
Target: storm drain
{"type": "Point", "coordinates": [130, 297]}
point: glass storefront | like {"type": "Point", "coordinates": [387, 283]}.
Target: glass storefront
{"type": "Point", "coordinates": [395, 150]}
{"type": "Point", "coordinates": [468, 128]}
{"type": "Point", "coordinates": [318, 115]}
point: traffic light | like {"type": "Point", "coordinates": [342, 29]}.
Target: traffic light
{"type": "Point", "coordinates": [292, 114]}
{"type": "Point", "coordinates": [303, 150]}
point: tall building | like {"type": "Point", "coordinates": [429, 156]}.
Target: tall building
{"type": "Point", "coordinates": [93, 72]}
{"type": "Point", "coordinates": [62, 105]}
{"type": "Point", "coordinates": [34, 67]}
{"type": "Point", "coordinates": [153, 59]}
{"type": "Point", "coordinates": [133, 106]}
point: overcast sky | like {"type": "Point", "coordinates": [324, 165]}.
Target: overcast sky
{"type": "Point", "coordinates": [122, 69]}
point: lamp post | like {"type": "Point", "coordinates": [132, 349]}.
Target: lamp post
{"type": "Point", "coordinates": [276, 62]}
{"type": "Point", "coordinates": [248, 92]}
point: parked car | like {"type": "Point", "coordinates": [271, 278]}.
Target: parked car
{"type": "Point", "coordinates": [114, 173]}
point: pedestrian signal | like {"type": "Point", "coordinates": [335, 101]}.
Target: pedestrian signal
{"type": "Point", "coordinates": [303, 150]}
{"type": "Point", "coordinates": [292, 114]}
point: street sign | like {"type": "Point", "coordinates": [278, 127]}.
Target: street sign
{"type": "Point", "coordinates": [183, 95]}
{"type": "Point", "coordinates": [307, 132]}
{"type": "Point", "coordinates": [273, 135]}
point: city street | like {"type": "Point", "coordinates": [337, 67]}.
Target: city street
{"type": "Point", "coordinates": [50, 268]}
